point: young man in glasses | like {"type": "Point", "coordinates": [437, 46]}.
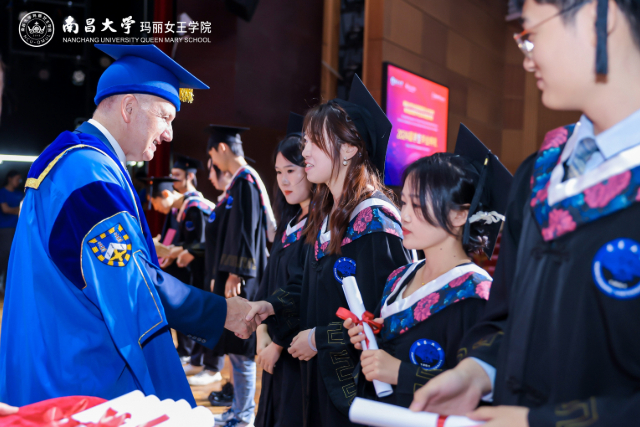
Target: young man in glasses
{"type": "Point", "coordinates": [559, 343]}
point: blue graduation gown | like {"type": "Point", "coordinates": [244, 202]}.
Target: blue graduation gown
{"type": "Point", "coordinates": [87, 309]}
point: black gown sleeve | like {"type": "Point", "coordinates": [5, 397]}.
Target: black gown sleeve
{"type": "Point", "coordinates": [483, 340]}
{"type": "Point", "coordinates": [240, 249]}
{"type": "Point", "coordinates": [286, 301]}
{"type": "Point", "coordinates": [191, 227]}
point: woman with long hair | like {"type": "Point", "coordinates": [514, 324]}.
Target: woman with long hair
{"type": "Point", "coordinates": [353, 230]}
{"type": "Point", "coordinates": [429, 305]}
{"type": "Point", "coordinates": [281, 394]}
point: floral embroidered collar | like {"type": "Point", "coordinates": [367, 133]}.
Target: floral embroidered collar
{"type": "Point", "coordinates": [194, 199]}
{"type": "Point", "coordinates": [559, 207]}
{"type": "Point", "coordinates": [370, 216]}
{"type": "Point", "coordinates": [459, 283]}
{"type": "Point", "coordinates": [293, 234]}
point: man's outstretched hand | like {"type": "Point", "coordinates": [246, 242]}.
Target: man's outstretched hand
{"type": "Point", "coordinates": [237, 309]}
{"type": "Point", "coordinates": [260, 310]}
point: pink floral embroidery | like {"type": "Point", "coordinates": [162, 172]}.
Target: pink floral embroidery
{"type": "Point", "coordinates": [554, 138]}
{"type": "Point", "coordinates": [422, 311]}
{"type": "Point", "coordinates": [483, 288]}
{"type": "Point", "coordinates": [284, 237]}
{"type": "Point", "coordinates": [638, 196]}
{"type": "Point", "coordinates": [315, 248]}
{"type": "Point", "coordinates": [560, 222]}
{"type": "Point", "coordinates": [540, 196]}
{"type": "Point", "coordinates": [602, 194]}
{"type": "Point", "coordinates": [460, 280]}
{"type": "Point", "coordinates": [250, 178]}
{"type": "Point", "coordinates": [390, 230]}
{"type": "Point", "coordinates": [346, 241]}
{"type": "Point", "coordinates": [362, 220]}
{"type": "Point", "coordinates": [324, 246]}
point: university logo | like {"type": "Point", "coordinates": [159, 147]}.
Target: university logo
{"type": "Point", "coordinates": [36, 29]}
{"type": "Point", "coordinates": [427, 353]}
{"type": "Point", "coordinates": [112, 247]}
{"type": "Point", "coordinates": [616, 269]}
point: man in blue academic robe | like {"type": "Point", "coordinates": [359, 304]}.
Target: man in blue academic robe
{"type": "Point", "coordinates": [87, 309]}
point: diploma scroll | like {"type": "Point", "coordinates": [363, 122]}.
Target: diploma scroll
{"type": "Point", "coordinates": [356, 306]}
{"type": "Point", "coordinates": [378, 414]}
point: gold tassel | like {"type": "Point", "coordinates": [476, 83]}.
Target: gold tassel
{"type": "Point", "coordinates": [186, 95]}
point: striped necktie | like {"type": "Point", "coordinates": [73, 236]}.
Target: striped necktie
{"type": "Point", "coordinates": [577, 163]}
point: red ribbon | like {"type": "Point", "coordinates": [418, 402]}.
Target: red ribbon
{"type": "Point", "coordinates": [109, 419]}
{"type": "Point", "coordinates": [367, 317]}
{"type": "Point", "coordinates": [441, 420]}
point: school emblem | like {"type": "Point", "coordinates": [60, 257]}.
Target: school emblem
{"type": "Point", "coordinates": [344, 267]}
{"type": "Point", "coordinates": [616, 269]}
{"type": "Point", "coordinates": [427, 353]}
{"type": "Point", "coordinates": [112, 247]}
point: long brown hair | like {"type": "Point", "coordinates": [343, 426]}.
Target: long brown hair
{"type": "Point", "coordinates": [329, 126]}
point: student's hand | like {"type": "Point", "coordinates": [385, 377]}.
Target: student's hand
{"type": "Point", "coordinates": [260, 310]}
{"type": "Point", "coordinates": [269, 356]}
{"type": "Point", "coordinates": [356, 332]}
{"type": "Point", "coordinates": [454, 392]}
{"type": "Point", "coordinates": [233, 287]}
{"type": "Point", "coordinates": [7, 410]}
{"type": "Point", "coordinates": [237, 309]}
{"type": "Point", "coordinates": [184, 259]}
{"type": "Point", "coordinates": [175, 251]}
{"type": "Point", "coordinates": [502, 416]}
{"type": "Point", "coordinates": [380, 365]}
{"type": "Point", "coordinates": [157, 238]}
{"type": "Point", "coordinates": [262, 338]}
{"type": "Point", "coordinates": [300, 346]}
{"type": "Point", "coordinates": [166, 262]}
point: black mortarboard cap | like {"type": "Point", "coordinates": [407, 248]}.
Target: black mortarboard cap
{"type": "Point", "coordinates": [187, 163]}
{"type": "Point", "coordinates": [294, 126]}
{"type": "Point", "coordinates": [492, 190]}
{"type": "Point", "coordinates": [372, 123]}
{"type": "Point", "coordinates": [158, 184]}
{"type": "Point", "coordinates": [227, 134]}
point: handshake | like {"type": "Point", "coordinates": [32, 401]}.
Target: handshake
{"type": "Point", "coordinates": [244, 317]}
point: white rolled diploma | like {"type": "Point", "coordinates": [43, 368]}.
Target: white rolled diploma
{"type": "Point", "coordinates": [356, 306]}
{"type": "Point", "coordinates": [378, 414]}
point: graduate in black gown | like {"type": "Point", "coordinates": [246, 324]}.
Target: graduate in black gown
{"type": "Point", "coordinates": [281, 392]}
{"type": "Point", "coordinates": [560, 334]}
{"type": "Point", "coordinates": [429, 305]}
{"type": "Point", "coordinates": [236, 257]}
{"type": "Point", "coordinates": [352, 226]}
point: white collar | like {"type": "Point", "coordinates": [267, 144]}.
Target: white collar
{"type": "Point", "coordinates": [111, 139]}
{"type": "Point", "coordinates": [401, 304]}
{"type": "Point", "coordinates": [296, 227]}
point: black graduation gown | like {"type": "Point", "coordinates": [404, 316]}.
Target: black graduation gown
{"type": "Point", "coordinates": [192, 224]}
{"type": "Point", "coordinates": [171, 223]}
{"type": "Point", "coordinates": [236, 243]}
{"type": "Point", "coordinates": [281, 393]}
{"type": "Point", "coordinates": [428, 345]}
{"type": "Point", "coordinates": [313, 296]}
{"type": "Point", "coordinates": [559, 324]}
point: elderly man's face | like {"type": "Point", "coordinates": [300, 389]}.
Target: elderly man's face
{"type": "Point", "coordinates": [150, 125]}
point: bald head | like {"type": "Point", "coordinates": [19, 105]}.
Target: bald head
{"type": "Point", "coordinates": [139, 122]}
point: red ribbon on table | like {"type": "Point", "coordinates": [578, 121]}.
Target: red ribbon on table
{"type": "Point", "coordinates": [109, 419]}
{"type": "Point", "coordinates": [367, 317]}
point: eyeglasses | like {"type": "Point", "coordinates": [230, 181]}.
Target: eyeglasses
{"type": "Point", "coordinates": [522, 39]}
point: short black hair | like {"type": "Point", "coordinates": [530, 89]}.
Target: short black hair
{"type": "Point", "coordinates": [630, 9]}
{"type": "Point", "coordinates": [446, 182]}
{"type": "Point", "coordinates": [236, 148]}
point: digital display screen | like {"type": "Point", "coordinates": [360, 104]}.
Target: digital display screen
{"type": "Point", "coordinates": [418, 110]}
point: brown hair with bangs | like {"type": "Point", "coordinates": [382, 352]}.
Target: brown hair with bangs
{"type": "Point", "coordinates": [329, 126]}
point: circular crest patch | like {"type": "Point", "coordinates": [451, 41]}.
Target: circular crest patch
{"type": "Point", "coordinates": [344, 267]}
{"type": "Point", "coordinates": [427, 353]}
{"type": "Point", "coordinates": [36, 29]}
{"type": "Point", "coordinates": [616, 269]}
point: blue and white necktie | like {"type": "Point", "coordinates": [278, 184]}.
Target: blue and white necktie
{"type": "Point", "coordinates": [577, 163]}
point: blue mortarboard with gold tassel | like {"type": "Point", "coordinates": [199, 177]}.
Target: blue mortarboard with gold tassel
{"type": "Point", "coordinates": [145, 69]}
